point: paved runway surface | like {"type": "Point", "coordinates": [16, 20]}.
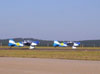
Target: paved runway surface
{"type": "Point", "coordinates": [47, 66]}
{"type": "Point", "coordinates": [50, 49]}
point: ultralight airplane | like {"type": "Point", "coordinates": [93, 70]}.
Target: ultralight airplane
{"type": "Point", "coordinates": [65, 44]}
{"type": "Point", "coordinates": [29, 43]}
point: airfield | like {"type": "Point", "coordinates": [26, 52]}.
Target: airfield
{"type": "Point", "coordinates": [49, 60]}
{"type": "Point", "coordinates": [81, 53]}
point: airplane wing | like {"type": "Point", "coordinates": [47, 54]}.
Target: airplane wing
{"type": "Point", "coordinates": [58, 44]}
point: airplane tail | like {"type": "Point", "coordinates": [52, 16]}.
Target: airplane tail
{"type": "Point", "coordinates": [11, 42]}
{"type": "Point", "coordinates": [56, 43]}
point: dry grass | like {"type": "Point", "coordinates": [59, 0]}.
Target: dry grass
{"type": "Point", "coordinates": [72, 55]}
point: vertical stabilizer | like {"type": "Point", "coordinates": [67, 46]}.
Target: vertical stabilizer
{"type": "Point", "coordinates": [56, 43]}
{"type": "Point", "coordinates": [11, 42]}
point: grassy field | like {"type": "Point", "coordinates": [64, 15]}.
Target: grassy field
{"type": "Point", "coordinates": [72, 55]}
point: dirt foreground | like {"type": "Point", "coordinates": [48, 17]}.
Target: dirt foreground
{"type": "Point", "coordinates": [47, 66]}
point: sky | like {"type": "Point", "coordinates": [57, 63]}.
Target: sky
{"type": "Point", "coordinates": [50, 19]}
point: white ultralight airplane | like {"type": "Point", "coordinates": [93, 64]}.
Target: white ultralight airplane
{"type": "Point", "coordinates": [65, 44]}
{"type": "Point", "coordinates": [29, 43]}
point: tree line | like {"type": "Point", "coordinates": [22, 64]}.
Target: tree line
{"type": "Point", "coordinates": [84, 43]}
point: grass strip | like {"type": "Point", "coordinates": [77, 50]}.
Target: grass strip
{"type": "Point", "coordinates": [71, 55]}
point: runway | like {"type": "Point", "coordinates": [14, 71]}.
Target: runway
{"type": "Point", "coordinates": [50, 49]}
{"type": "Point", "coordinates": [47, 66]}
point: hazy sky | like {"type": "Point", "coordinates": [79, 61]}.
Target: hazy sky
{"type": "Point", "coordinates": [50, 19]}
